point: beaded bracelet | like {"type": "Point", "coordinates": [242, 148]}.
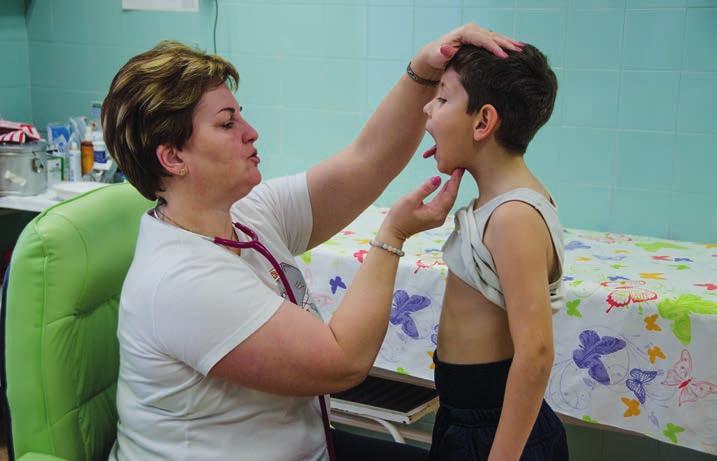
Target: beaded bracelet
{"type": "Point", "coordinates": [418, 79]}
{"type": "Point", "coordinates": [385, 246]}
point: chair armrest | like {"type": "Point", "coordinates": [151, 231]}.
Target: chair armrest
{"type": "Point", "coordinates": [39, 457]}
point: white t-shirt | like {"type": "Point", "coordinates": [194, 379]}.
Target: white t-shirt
{"type": "Point", "coordinates": [186, 302]}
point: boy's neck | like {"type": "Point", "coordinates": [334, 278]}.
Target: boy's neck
{"type": "Point", "coordinates": [497, 171]}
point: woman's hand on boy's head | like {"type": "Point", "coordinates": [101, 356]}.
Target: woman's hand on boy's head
{"type": "Point", "coordinates": [437, 54]}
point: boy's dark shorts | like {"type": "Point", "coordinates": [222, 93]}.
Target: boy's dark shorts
{"type": "Point", "coordinates": [466, 431]}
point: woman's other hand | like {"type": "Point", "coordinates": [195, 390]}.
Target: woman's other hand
{"type": "Point", "coordinates": [432, 59]}
{"type": "Point", "coordinates": [410, 215]}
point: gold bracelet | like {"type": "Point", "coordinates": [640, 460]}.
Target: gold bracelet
{"type": "Point", "coordinates": [385, 246]}
{"type": "Point", "coordinates": [418, 79]}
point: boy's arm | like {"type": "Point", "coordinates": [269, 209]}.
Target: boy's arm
{"type": "Point", "coordinates": [520, 244]}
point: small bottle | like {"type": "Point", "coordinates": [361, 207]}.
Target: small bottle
{"type": "Point", "coordinates": [54, 170]}
{"type": "Point", "coordinates": [87, 152]}
{"type": "Point", "coordinates": [100, 151]}
{"type": "Point", "coordinates": [74, 157]}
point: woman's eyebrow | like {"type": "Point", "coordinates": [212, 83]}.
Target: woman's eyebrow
{"type": "Point", "coordinates": [230, 109]}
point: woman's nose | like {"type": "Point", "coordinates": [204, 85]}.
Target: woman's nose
{"type": "Point", "coordinates": [250, 134]}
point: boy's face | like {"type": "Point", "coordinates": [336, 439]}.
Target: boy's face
{"type": "Point", "coordinates": [450, 125]}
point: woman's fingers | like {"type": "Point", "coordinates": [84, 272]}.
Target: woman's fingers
{"type": "Point", "coordinates": [495, 42]}
{"type": "Point", "coordinates": [448, 51]}
{"type": "Point", "coordinates": [438, 53]}
{"type": "Point", "coordinates": [410, 215]}
{"type": "Point", "coordinates": [444, 200]}
{"type": "Point", "coordinates": [424, 190]}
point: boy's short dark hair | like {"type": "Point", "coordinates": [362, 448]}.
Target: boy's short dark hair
{"type": "Point", "coordinates": [521, 87]}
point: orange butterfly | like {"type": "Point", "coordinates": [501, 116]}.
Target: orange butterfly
{"type": "Point", "coordinates": [633, 407]}
{"type": "Point", "coordinates": [650, 323]}
{"type": "Point", "coordinates": [654, 353]}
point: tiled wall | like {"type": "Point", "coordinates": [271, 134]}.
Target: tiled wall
{"type": "Point", "coordinates": [630, 147]}
{"type": "Point", "coordinates": [14, 63]}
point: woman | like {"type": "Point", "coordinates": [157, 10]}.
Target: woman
{"type": "Point", "coordinates": [216, 360]}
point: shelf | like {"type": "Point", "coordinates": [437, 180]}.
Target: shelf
{"type": "Point", "coordinates": [387, 400]}
{"type": "Point", "coordinates": [35, 203]}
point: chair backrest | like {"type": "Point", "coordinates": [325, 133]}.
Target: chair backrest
{"type": "Point", "coordinates": [61, 349]}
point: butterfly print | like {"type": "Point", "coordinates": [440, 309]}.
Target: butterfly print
{"type": "Point", "coordinates": [651, 323]}
{"type": "Point", "coordinates": [591, 351]}
{"type": "Point", "coordinates": [633, 407]}
{"type": "Point", "coordinates": [336, 283]}
{"type": "Point", "coordinates": [680, 376]}
{"type": "Point", "coordinates": [654, 353]}
{"type": "Point", "coordinates": [403, 307]}
{"type": "Point", "coordinates": [637, 383]}
{"type": "Point", "coordinates": [627, 292]}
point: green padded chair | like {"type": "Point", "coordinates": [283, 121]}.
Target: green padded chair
{"type": "Point", "coordinates": [61, 349]}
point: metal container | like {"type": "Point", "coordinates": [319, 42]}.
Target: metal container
{"type": "Point", "coordinates": [23, 168]}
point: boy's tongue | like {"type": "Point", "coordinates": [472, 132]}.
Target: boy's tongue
{"type": "Point", "coordinates": [430, 152]}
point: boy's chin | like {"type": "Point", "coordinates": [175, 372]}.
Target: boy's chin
{"type": "Point", "coordinates": [444, 169]}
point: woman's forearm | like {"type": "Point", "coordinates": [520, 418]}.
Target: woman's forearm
{"type": "Point", "coordinates": [392, 134]}
{"type": "Point", "coordinates": [359, 324]}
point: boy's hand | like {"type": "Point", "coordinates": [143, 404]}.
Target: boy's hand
{"type": "Point", "coordinates": [432, 59]}
{"type": "Point", "coordinates": [410, 215]}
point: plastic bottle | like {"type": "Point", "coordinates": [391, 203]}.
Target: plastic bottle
{"type": "Point", "coordinates": [87, 152]}
{"type": "Point", "coordinates": [100, 151]}
{"type": "Point", "coordinates": [74, 157]}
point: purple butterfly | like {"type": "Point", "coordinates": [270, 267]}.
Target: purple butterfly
{"type": "Point", "coordinates": [336, 283]}
{"type": "Point", "coordinates": [576, 245]}
{"type": "Point", "coordinates": [638, 381]}
{"type": "Point", "coordinates": [591, 350]}
{"type": "Point", "coordinates": [688, 260]}
{"type": "Point", "coordinates": [568, 278]}
{"type": "Point", "coordinates": [403, 306]}
{"type": "Point", "coordinates": [617, 277]}
{"type": "Point", "coordinates": [434, 336]}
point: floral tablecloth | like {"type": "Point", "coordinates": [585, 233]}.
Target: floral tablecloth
{"type": "Point", "coordinates": [636, 343]}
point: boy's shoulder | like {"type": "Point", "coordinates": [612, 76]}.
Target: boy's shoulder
{"type": "Point", "coordinates": [516, 220]}
{"type": "Point", "coordinates": [520, 217]}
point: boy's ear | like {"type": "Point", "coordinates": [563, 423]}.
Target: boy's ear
{"type": "Point", "coordinates": [171, 159]}
{"type": "Point", "coordinates": [486, 122]}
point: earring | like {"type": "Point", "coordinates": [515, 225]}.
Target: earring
{"type": "Point", "coordinates": [182, 172]}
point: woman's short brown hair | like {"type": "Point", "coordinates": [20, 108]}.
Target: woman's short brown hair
{"type": "Point", "coordinates": [151, 102]}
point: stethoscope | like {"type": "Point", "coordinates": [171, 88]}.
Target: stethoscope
{"type": "Point", "coordinates": [255, 244]}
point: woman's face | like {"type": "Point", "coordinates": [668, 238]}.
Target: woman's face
{"type": "Point", "coordinates": [220, 154]}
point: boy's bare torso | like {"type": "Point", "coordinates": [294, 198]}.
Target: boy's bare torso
{"type": "Point", "coordinates": [473, 330]}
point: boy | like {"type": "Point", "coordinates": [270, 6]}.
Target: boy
{"type": "Point", "coordinates": [495, 342]}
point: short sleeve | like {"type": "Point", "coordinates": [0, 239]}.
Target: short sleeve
{"type": "Point", "coordinates": [289, 205]}
{"type": "Point", "coordinates": [209, 307]}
